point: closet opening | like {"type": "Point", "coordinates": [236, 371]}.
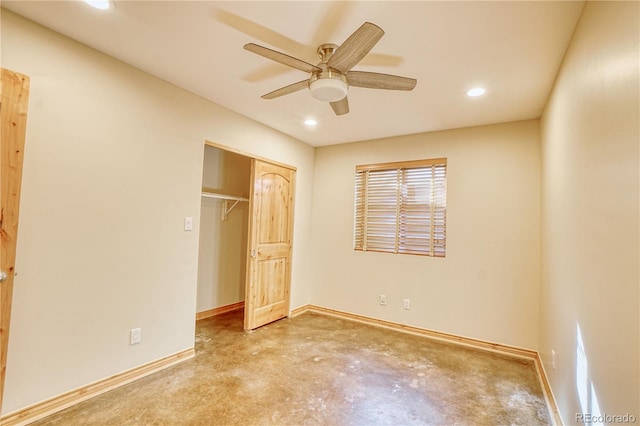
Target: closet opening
{"type": "Point", "coordinates": [246, 235]}
{"type": "Point", "coordinates": [224, 222]}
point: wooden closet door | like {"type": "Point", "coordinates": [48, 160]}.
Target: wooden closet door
{"type": "Point", "coordinates": [270, 237]}
{"type": "Point", "coordinates": [14, 95]}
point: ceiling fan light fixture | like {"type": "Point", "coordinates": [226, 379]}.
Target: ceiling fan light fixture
{"type": "Point", "coordinates": [328, 89]}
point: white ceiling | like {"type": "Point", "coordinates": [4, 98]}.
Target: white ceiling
{"type": "Point", "coordinates": [513, 49]}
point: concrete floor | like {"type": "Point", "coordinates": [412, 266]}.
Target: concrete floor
{"type": "Point", "coordinates": [315, 369]}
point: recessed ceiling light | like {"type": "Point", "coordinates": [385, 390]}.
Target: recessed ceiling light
{"type": "Point", "coordinates": [99, 4]}
{"type": "Point", "coordinates": [476, 91]}
{"type": "Point", "coordinates": [310, 122]}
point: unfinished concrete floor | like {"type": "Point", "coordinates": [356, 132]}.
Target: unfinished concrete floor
{"type": "Point", "coordinates": [315, 369]}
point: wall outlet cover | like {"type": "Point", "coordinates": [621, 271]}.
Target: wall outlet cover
{"type": "Point", "coordinates": [136, 335]}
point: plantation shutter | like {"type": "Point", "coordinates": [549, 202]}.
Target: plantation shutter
{"type": "Point", "coordinates": [401, 207]}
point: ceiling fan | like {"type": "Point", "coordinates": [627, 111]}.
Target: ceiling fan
{"type": "Point", "coordinates": [331, 78]}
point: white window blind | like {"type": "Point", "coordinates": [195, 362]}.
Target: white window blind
{"type": "Point", "coordinates": [401, 207]}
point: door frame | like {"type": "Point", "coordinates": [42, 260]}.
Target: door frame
{"type": "Point", "coordinates": [14, 105]}
{"type": "Point", "coordinates": [249, 155]}
{"type": "Point", "coordinates": [254, 157]}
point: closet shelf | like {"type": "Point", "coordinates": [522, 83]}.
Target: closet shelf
{"type": "Point", "coordinates": [226, 198]}
{"type": "Point", "coordinates": [223, 196]}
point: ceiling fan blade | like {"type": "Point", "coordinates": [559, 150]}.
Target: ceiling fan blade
{"type": "Point", "coordinates": [304, 84]}
{"type": "Point", "coordinates": [340, 107]}
{"type": "Point", "coordinates": [282, 58]}
{"type": "Point", "coordinates": [355, 47]}
{"type": "Point", "coordinates": [374, 80]}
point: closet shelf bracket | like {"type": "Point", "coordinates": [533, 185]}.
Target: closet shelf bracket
{"type": "Point", "coordinates": [227, 200]}
{"type": "Point", "coordinates": [228, 209]}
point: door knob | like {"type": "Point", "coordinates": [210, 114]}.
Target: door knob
{"type": "Point", "coordinates": [3, 276]}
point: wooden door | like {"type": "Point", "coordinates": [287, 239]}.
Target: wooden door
{"type": "Point", "coordinates": [269, 245]}
{"type": "Point", "coordinates": [14, 95]}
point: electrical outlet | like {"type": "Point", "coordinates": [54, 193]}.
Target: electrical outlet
{"type": "Point", "coordinates": [136, 335]}
{"type": "Point", "coordinates": [406, 304]}
{"type": "Point", "coordinates": [188, 224]}
{"type": "Point", "coordinates": [553, 359]}
{"type": "Point", "coordinates": [383, 300]}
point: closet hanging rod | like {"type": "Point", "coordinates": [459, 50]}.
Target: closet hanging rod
{"type": "Point", "coordinates": [223, 196]}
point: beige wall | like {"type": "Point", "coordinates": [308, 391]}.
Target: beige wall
{"type": "Point", "coordinates": [113, 164]}
{"type": "Point", "coordinates": [590, 278]}
{"type": "Point", "coordinates": [222, 253]}
{"type": "Point", "coordinates": [487, 286]}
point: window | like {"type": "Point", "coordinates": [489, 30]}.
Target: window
{"type": "Point", "coordinates": [401, 207]}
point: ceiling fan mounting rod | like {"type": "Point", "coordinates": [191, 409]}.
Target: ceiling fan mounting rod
{"type": "Point", "coordinates": [325, 51]}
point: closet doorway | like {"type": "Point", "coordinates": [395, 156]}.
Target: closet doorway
{"type": "Point", "coordinates": [246, 224]}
